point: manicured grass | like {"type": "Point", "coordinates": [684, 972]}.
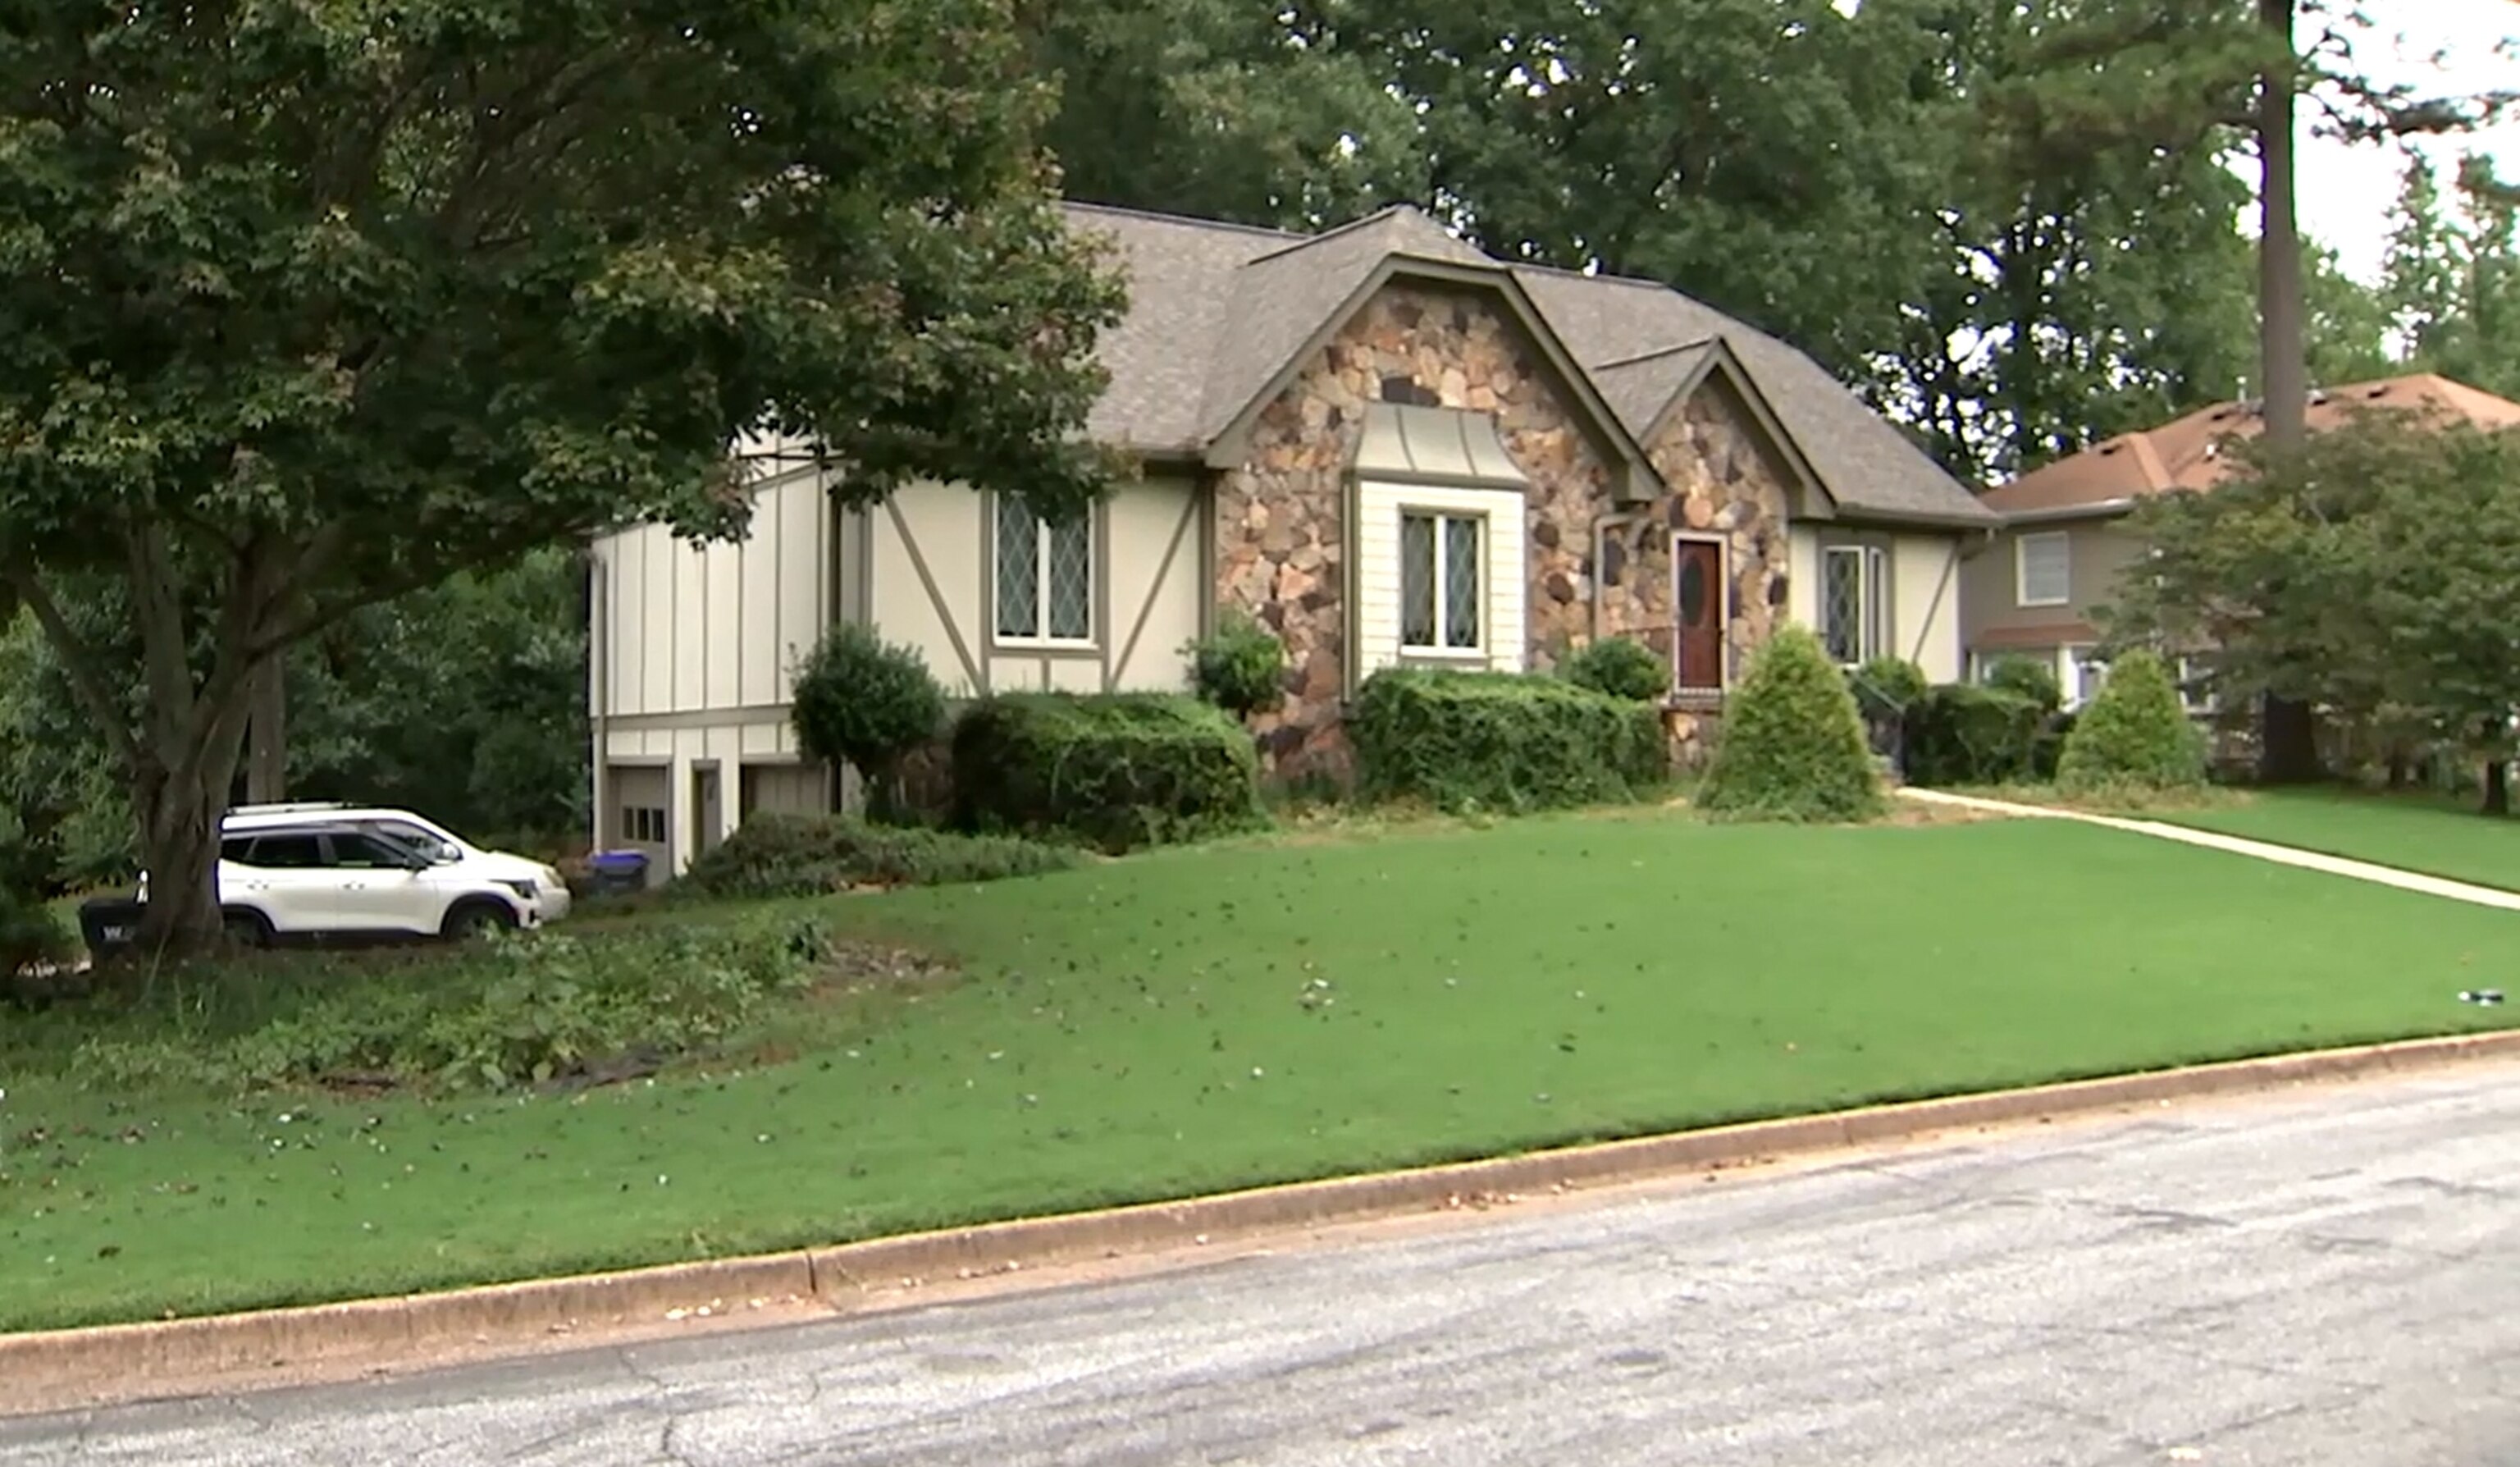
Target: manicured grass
{"type": "Point", "coordinates": [1139, 1030]}
{"type": "Point", "coordinates": [2425, 832]}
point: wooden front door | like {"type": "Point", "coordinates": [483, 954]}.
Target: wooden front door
{"type": "Point", "coordinates": [1697, 603]}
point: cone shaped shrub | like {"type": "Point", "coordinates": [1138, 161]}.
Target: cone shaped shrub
{"type": "Point", "coordinates": [1792, 745]}
{"type": "Point", "coordinates": [2133, 735]}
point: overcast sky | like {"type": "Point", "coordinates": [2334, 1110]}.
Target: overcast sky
{"type": "Point", "coordinates": [2345, 192]}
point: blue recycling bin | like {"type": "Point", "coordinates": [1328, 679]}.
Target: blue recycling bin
{"type": "Point", "coordinates": [618, 873]}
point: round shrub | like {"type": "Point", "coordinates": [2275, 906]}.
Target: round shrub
{"type": "Point", "coordinates": [2133, 735]}
{"type": "Point", "coordinates": [1792, 745]}
{"type": "Point", "coordinates": [1886, 687]}
{"type": "Point", "coordinates": [864, 703]}
{"type": "Point", "coordinates": [1618, 667]}
{"type": "Point", "coordinates": [2031, 677]}
{"type": "Point", "coordinates": [1240, 667]}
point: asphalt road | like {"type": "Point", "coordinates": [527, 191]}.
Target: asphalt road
{"type": "Point", "coordinates": [2325, 1277]}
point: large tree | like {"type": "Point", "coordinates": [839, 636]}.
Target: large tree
{"type": "Point", "coordinates": [2367, 572]}
{"type": "Point", "coordinates": [1762, 155]}
{"type": "Point", "coordinates": [1256, 113]}
{"type": "Point", "coordinates": [308, 305]}
{"type": "Point", "coordinates": [2451, 281]}
{"type": "Point", "coordinates": [2153, 74]}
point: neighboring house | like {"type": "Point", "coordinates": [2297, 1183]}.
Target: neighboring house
{"type": "Point", "coordinates": [2033, 589]}
{"type": "Point", "coordinates": [1386, 446]}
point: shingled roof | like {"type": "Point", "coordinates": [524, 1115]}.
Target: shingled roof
{"type": "Point", "coordinates": [1217, 310]}
{"type": "Point", "coordinates": [2189, 453]}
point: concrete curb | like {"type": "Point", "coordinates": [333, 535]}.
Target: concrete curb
{"type": "Point", "coordinates": [51, 1369]}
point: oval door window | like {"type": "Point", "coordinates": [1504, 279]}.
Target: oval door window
{"type": "Point", "coordinates": [1693, 592]}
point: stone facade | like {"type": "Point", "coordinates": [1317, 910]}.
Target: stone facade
{"type": "Point", "coordinates": [1719, 478]}
{"type": "Point", "coordinates": [1282, 536]}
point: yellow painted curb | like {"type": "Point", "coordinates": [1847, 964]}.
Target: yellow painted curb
{"type": "Point", "coordinates": [58, 1368]}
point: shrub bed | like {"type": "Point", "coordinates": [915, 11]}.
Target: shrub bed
{"type": "Point", "coordinates": [1960, 734]}
{"type": "Point", "coordinates": [810, 856]}
{"type": "Point", "coordinates": [1501, 741]}
{"type": "Point", "coordinates": [1116, 771]}
{"type": "Point", "coordinates": [522, 1010]}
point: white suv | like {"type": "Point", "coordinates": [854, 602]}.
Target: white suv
{"type": "Point", "coordinates": [299, 870]}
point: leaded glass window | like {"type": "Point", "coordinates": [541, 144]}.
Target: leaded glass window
{"type": "Point", "coordinates": [1443, 582]}
{"type": "Point", "coordinates": [1045, 575]}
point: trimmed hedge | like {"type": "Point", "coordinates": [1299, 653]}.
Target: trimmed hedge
{"type": "Point", "coordinates": [1961, 734]}
{"type": "Point", "coordinates": [810, 856]}
{"type": "Point", "coordinates": [1792, 745]}
{"type": "Point", "coordinates": [2134, 734]}
{"type": "Point", "coordinates": [1116, 771]}
{"type": "Point", "coordinates": [1501, 741]}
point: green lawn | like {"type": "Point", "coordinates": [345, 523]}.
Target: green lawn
{"type": "Point", "coordinates": [2425, 832]}
{"type": "Point", "coordinates": [1137, 1030]}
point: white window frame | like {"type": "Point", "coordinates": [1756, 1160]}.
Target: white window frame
{"type": "Point", "coordinates": [1477, 652]}
{"type": "Point", "coordinates": [1043, 549]}
{"type": "Point", "coordinates": [2064, 544]}
{"type": "Point", "coordinates": [1871, 600]}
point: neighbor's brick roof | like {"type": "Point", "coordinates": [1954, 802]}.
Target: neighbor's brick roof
{"type": "Point", "coordinates": [2191, 452]}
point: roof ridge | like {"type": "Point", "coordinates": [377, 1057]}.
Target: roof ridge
{"type": "Point", "coordinates": [1158, 216]}
{"type": "Point", "coordinates": [1604, 277]}
{"type": "Point", "coordinates": [1675, 350]}
{"type": "Point", "coordinates": [1352, 226]}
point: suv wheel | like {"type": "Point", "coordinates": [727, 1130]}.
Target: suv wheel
{"type": "Point", "coordinates": [473, 919]}
{"type": "Point", "coordinates": [245, 927]}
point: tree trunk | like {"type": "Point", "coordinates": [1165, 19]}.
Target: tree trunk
{"type": "Point", "coordinates": [266, 770]}
{"type": "Point", "coordinates": [2288, 735]}
{"type": "Point", "coordinates": [2397, 769]}
{"type": "Point", "coordinates": [179, 846]}
{"type": "Point", "coordinates": [2497, 787]}
{"type": "Point", "coordinates": [2281, 358]}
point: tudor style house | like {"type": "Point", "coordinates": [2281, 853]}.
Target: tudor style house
{"type": "Point", "coordinates": [1382, 443]}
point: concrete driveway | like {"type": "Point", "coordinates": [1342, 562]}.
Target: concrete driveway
{"type": "Point", "coordinates": [2329, 1277]}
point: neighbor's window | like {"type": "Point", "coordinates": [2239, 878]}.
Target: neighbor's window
{"type": "Point", "coordinates": [2042, 570]}
{"type": "Point", "coordinates": [1855, 603]}
{"type": "Point", "coordinates": [643, 824]}
{"type": "Point", "coordinates": [1045, 575]}
{"type": "Point", "coordinates": [2196, 685]}
{"type": "Point", "coordinates": [1441, 582]}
